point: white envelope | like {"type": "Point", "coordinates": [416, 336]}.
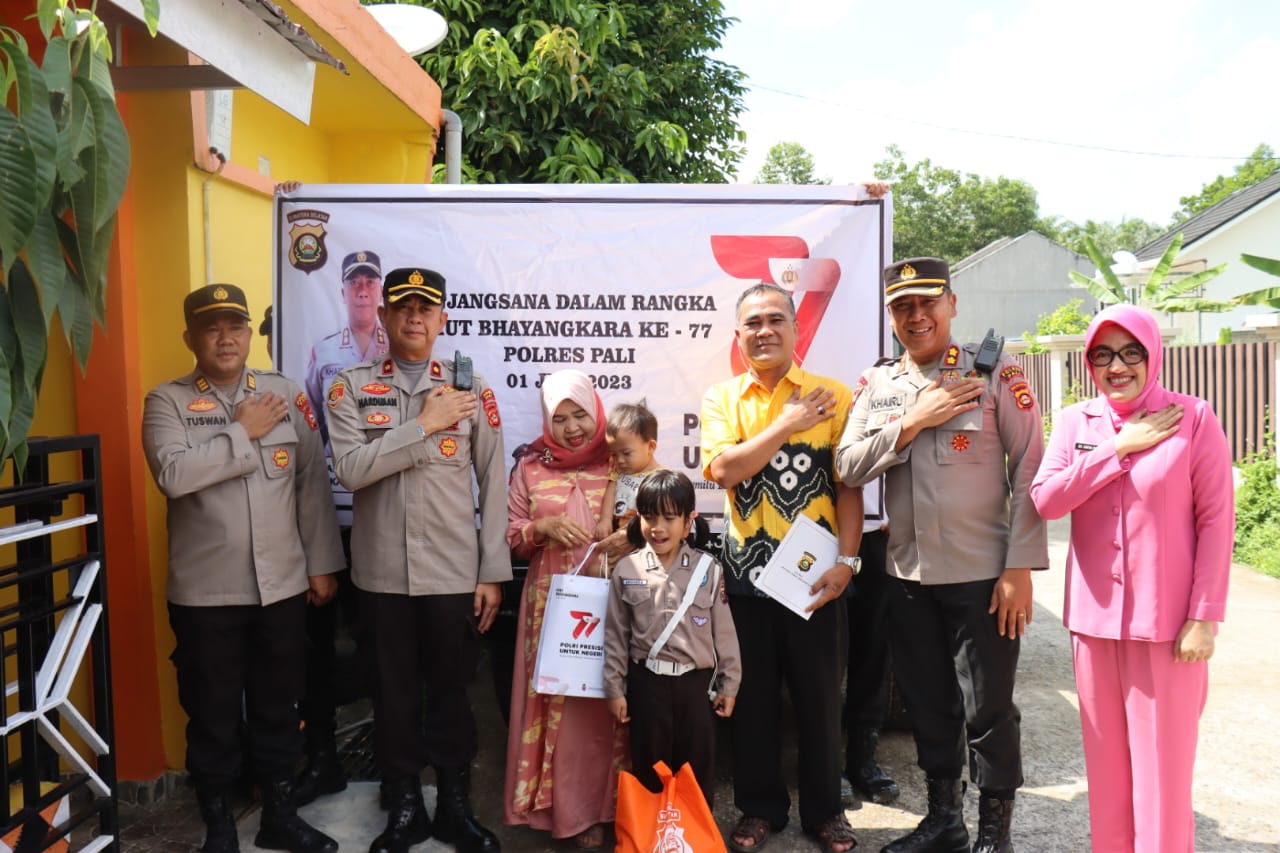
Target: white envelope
{"type": "Point", "coordinates": [804, 554]}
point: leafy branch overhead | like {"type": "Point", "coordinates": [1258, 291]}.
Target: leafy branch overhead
{"type": "Point", "coordinates": [1155, 293]}
{"type": "Point", "coordinates": [588, 92]}
{"type": "Point", "coordinates": [64, 161]}
{"type": "Point", "coordinates": [1265, 296]}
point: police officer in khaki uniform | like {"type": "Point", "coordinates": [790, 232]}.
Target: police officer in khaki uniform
{"type": "Point", "coordinates": [252, 537]}
{"type": "Point", "coordinates": [406, 441]}
{"type": "Point", "coordinates": [958, 447]}
{"type": "Point", "coordinates": [361, 339]}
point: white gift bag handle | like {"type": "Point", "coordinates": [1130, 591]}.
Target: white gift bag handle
{"type": "Point", "coordinates": [604, 562]}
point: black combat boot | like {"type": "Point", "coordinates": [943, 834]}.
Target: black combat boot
{"type": "Point", "coordinates": [407, 821]}
{"type": "Point", "coordinates": [455, 824]}
{"type": "Point", "coordinates": [282, 829]}
{"type": "Point", "coordinates": [942, 830]}
{"type": "Point", "coordinates": [323, 773]}
{"type": "Point", "coordinates": [995, 815]}
{"type": "Point", "coordinates": [219, 826]}
{"type": "Point", "coordinates": [865, 775]}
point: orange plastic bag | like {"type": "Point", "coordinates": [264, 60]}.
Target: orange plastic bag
{"type": "Point", "coordinates": [677, 820]}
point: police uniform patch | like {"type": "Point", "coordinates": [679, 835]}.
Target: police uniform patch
{"type": "Point", "coordinates": [490, 405]}
{"type": "Point", "coordinates": [388, 367]}
{"type": "Point", "coordinates": [252, 382]}
{"type": "Point", "coordinates": [378, 419]}
{"type": "Point", "coordinates": [1021, 392]}
{"type": "Point", "coordinates": [337, 391]}
{"type": "Point", "coordinates": [700, 621]}
{"type": "Point", "coordinates": [448, 447]}
{"type": "Point", "coordinates": [437, 372]}
{"type": "Point", "coordinates": [950, 375]}
{"type": "Point", "coordinates": [201, 404]}
{"type": "Point", "coordinates": [202, 385]}
{"type": "Point", "coordinates": [303, 405]}
{"type": "Point", "coordinates": [281, 458]}
{"type": "Point", "coordinates": [952, 358]}
{"type": "Point", "coordinates": [1011, 373]}
{"type": "Point", "coordinates": [857, 391]}
{"type": "Point", "coordinates": [960, 443]}
{"type": "Point", "coordinates": [973, 373]}
{"type": "Point", "coordinates": [376, 388]}
{"type": "Point", "coordinates": [634, 582]}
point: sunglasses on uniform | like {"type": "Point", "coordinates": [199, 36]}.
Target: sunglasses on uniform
{"type": "Point", "coordinates": [1103, 356]}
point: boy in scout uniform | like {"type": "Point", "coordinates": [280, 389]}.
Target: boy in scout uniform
{"type": "Point", "coordinates": [406, 442]}
{"type": "Point", "coordinates": [958, 448]}
{"type": "Point", "coordinates": [252, 537]}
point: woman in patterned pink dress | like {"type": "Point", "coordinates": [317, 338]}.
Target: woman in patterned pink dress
{"type": "Point", "coordinates": [563, 752]}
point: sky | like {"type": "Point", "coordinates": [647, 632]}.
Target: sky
{"type": "Point", "coordinates": [1110, 109]}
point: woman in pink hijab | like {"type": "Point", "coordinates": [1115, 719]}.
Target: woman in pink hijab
{"type": "Point", "coordinates": [563, 752]}
{"type": "Point", "coordinates": [1146, 476]}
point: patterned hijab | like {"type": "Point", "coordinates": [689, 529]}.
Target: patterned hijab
{"type": "Point", "coordinates": [1144, 328]}
{"type": "Point", "coordinates": [576, 386]}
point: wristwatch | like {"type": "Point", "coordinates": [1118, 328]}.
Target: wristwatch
{"type": "Point", "coordinates": [854, 563]}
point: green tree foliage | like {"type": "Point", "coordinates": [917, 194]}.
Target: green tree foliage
{"type": "Point", "coordinates": [1258, 511]}
{"type": "Point", "coordinates": [789, 163]}
{"type": "Point", "coordinates": [1109, 237]}
{"type": "Point", "coordinates": [944, 213]}
{"type": "Point", "coordinates": [1155, 293]}
{"type": "Point", "coordinates": [1066, 319]}
{"type": "Point", "coordinates": [64, 160]}
{"type": "Point", "coordinates": [1258, 166]}
{"type": "Point", "coordinates": [575, 91]}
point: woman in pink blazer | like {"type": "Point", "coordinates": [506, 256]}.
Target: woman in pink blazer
{"type": "Point", "coordinates": [1146, 476]}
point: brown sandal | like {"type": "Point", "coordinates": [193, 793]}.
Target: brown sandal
{"type": "Point", "coordinates": [591, 838]}
{"type": "Point", "coordinates": [834, 831]}
{"type": "Point", "coordinates": [757, 829]}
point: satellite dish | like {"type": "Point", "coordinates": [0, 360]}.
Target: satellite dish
{"type": "Point", "coordinates": [415, 28]}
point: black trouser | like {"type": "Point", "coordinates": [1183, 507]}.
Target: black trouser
{"type": "Point", "coordinates": [778, 647]}
{"type": "Point", "coordinates": [956, 675]}
{"type": "Point", "coordinates": [232, 654]}
{"type": "Point", "coordinates": [414, 642]}
{"type": "Point", "coordinates": [319, 703]}
{"type": "Point", "coordinates": [866, 691]}
{"type": "Point", "coordinates": [672, 721]}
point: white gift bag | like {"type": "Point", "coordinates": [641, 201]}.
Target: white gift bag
{"type": "Point", "coordinates": [570, 659]}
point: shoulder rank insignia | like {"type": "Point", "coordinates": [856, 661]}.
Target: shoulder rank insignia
{"type": "Point", "coordinates": [490, 405]}
{"type": "Point", "coordinates": [346, 336]}
{"type": "Point", "coordinates": [952, 358]}
{"type": "Point", "coordinates": [201, 404]}
{"type": "Point", "coordinates": [251, 381]}
{"type": "Point", "coordinates": [382, 335]}
{"type": "Point", "coordinates": [337, 391]}
{"type": "Point", "coordinates": [303, 405]}
{"type": "Point", "coordinates": [388, 367]}
{"type": "Point", "coordinates": [1021, 392]}
{"type": "Point", "coordinates": [202, 385]}
{"type": "Point", "coordinates": [437, 372]}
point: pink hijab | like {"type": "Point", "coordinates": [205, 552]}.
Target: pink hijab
{"type": "Point", "coordinates": [1143, 326]}
{"type": "Point", "coordinates": [576, 386]}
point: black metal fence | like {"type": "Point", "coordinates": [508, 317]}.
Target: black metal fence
{"type": "Point", "coordinates": [57, 759]}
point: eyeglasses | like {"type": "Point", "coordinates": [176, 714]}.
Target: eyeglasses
{"type": "Point", "coordinates": [1103, 356]}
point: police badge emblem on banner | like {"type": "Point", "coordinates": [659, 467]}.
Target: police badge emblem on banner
{"type": "Point", "coordinates": [570, 658]}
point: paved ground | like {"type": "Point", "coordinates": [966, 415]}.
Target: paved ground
{"type": "Point", "coordinates": [1237, 793]}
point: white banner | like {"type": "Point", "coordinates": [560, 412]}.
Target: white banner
{"type": "Point", "coordinates": [634, 284]}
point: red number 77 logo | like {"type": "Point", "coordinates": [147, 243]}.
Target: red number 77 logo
{"type": "Point", "coordinates": [783, 261]}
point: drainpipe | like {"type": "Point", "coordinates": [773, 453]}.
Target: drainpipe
{"type": "Point", "coordinates": [208, 221]}
{"type": "Point", "coordinates": [452, 147]}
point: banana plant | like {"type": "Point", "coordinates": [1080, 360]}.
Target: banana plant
{"type": "Point", "coordinates": [64, 161]}
{"type": "Point", "coordinates": [1267, 295]}
{"type": "Point", "coordinates": [1155, 293]}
